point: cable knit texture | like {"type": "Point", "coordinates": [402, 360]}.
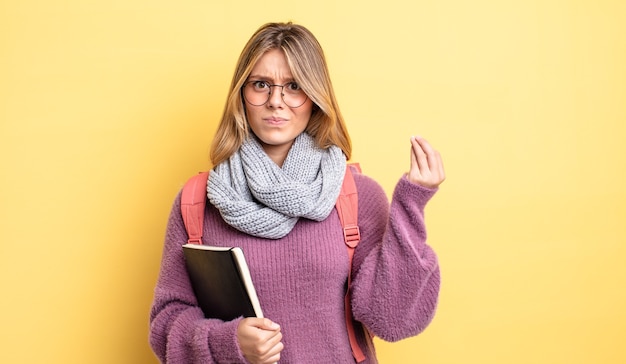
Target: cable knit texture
{"type": "Point", "coordinates": [300, 279]}
{"type": "Point", "coordinates": [256, 196]}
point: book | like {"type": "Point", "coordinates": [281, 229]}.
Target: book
{"type": "Point", "coordinates": [221, 280]}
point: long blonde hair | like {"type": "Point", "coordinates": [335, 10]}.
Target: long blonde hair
{"type": "Point", "coordinates": [308, 66]}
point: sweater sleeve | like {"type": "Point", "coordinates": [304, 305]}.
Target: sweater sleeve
{"type": "Point", "coordinates": [396, 274]}
{"type": "Point", "coordinates": [179, 332]}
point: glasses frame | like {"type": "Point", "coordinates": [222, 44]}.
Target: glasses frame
{"type": "Point", "coordinates": [269, 93]}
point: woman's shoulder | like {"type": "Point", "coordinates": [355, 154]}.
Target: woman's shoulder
{"type": "Point", "coordinates": [363, 181]}
{"type": "Point", "coordinates": [369, 189]}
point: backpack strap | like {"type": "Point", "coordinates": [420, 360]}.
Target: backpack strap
{"type": "Point", "coordinates": [192, 203]}
{"type": "Point", "coordinates": [348, 210]}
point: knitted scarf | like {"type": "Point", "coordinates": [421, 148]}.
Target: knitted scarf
{"type": "Point", "coordinates": [257, 197]}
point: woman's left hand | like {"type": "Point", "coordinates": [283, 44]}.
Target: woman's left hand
{"type": "Point", "coordinates": [426, 165]}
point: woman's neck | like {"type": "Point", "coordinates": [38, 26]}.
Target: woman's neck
{"type": "Point", "coordinates": [277, 153]}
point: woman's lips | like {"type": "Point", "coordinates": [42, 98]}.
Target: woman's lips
{"type": "Point", "coordinates": [274, 120]}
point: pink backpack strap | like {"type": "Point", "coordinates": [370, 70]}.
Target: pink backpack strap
{"type": "Point", "coordinates": [348, 209]}
{"type": "Point", "coordinates": [192, 203]}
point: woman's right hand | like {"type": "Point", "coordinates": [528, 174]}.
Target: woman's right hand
{"type": "Point", "coordinates": [260, 340]}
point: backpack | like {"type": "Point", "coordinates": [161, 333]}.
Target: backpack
{"type": "Point", "coordinates": [193, 202]}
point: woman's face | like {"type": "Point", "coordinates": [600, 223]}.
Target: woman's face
{"type": "Point", "coordinates": [275, 124]}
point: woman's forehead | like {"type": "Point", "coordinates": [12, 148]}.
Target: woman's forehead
{"type": "Point", "coordinates": [272, 65]}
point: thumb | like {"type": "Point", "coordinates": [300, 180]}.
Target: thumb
{"type": "Point", "coordinates": [268, 324]}
{"type": "Point", "coordinates": [262, 323]}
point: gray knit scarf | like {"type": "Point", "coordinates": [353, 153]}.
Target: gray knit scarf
{"type": "Point", "coordinates": [256, 196]}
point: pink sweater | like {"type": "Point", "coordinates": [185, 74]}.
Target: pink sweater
{"type": "Point", "coordinates": [300, 280]}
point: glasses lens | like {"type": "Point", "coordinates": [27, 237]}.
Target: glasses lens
{"type": "Point", "coordinates": [258, 93]}
{"type": "Point", "coordinates": [293, 96]}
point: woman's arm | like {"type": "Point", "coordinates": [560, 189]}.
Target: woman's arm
{"type": "Point", "coordinates": [179, 333]}
{"type": "Point", "coordinates": [396, 274]}
{"type": "Point", "coordinates": [396, 284]}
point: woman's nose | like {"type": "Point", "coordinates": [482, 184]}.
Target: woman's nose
{"type": "Point", "coordinates": [276, 96]}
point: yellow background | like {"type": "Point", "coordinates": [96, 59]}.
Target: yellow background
{"type": "Point", "coordinates": [107, 107]}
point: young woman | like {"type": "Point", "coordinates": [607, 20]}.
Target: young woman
{"type": "Point", "coordinates": [280, 156]}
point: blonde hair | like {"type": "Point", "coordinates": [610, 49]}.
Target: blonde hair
{"type": "Point", "coordinates": [308, 66]}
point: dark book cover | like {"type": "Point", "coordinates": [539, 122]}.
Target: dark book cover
{"type": "Point", "coordinates": [221, 281]}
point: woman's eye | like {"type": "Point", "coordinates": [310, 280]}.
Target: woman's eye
{"type": "Point", "coordinates": [292, 86]}
{"type": "Point", "coordinates": [260, 85]}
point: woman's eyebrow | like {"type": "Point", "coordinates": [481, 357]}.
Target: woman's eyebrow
{"type": "Point", "coordinates": [268, 78]}
{"type": "Point", "coordinates": [259, 77]}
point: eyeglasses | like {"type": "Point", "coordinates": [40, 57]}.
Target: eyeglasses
{"type": "Point", "coordinates": [258, 93]}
